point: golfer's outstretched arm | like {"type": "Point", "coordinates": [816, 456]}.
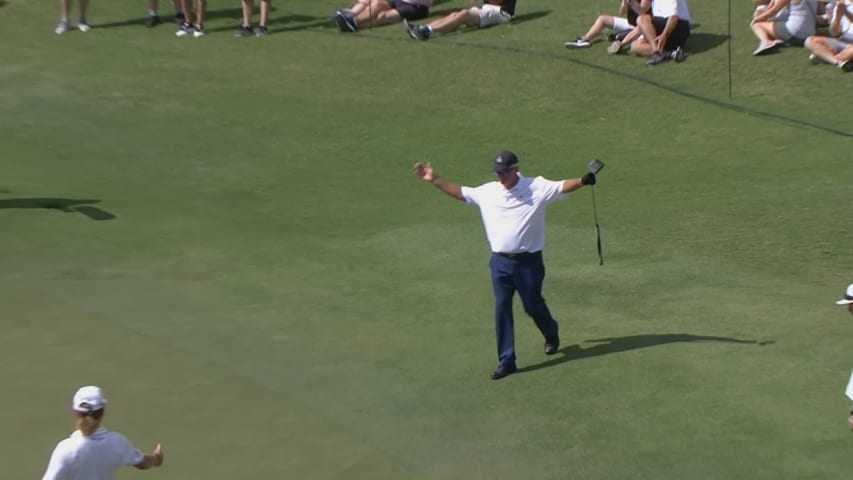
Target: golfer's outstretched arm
{"type": "Point", "coordinates": [424, 171]}
{"type": "Point", "coordinates": [154, 458]}
{"type": "Point", "coordinates": [571, 184]}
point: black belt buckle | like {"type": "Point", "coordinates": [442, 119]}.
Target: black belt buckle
{"type": "Point", "coordinates": [513, 255]}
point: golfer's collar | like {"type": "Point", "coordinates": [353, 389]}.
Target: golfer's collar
{"type": "Point", "coordinates": [518, 179]}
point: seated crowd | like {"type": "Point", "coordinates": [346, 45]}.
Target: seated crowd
{"type": "Point", "coordinates": [824, 28]}
{"type": "Point", "coordinates": [657, 29]}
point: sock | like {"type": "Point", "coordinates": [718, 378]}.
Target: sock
{"type": "Point", "coordinates": [152, 13]}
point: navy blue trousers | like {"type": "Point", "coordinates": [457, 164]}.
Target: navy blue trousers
{"type": "Point", "coordinates": [523, 274]}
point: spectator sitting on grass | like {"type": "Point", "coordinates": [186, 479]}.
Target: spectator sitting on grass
{"type": "Point", "coordinates": [621, 26]}
{"type": "Point", "coordinates": [374, 13]}
{"type": "Point", "coordinates": [797, 22]}
{"type": "Point", "coordinates": [491, 12]}
{"type": "Point", "coordinates": [838, 49]}
{"type": "Point", "coordinates": [665, 32]}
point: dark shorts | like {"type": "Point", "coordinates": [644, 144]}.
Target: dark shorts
{"type": "Point", "coordinates": [409, 11]}
{"type": "Point", "coordinates": [632, 17]}
{"type": "Point", "coordinates": [679, 34]}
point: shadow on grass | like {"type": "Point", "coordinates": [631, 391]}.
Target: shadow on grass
{"type": "Point", "coordinates": [702, 42]}
{"type": "Point", "coordinates": [275, 23]}
{"type": "Point", "coordinates": [62, 204]}
{"type": "Point", "coordinates": [3, 3]}
{"type": "Point", "coordinates": [235, 13]}
{"type": "Point", "coordinates": [609, 345]}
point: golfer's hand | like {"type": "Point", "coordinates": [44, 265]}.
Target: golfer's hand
{"type": "Point", "coordinates": [424, 171]}
{"type": "Point", "coordinates": [588, 179]}
{"type": "Point", "coordinates": [158, 455]}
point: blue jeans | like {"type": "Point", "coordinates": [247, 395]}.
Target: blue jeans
{"type": "Point", "coordinates": [524, 274]}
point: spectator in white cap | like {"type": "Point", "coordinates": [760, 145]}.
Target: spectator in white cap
{"type": "Point", "coordinates": [92, 452]}
{"type": "Point", "coordinates": [848, 300]}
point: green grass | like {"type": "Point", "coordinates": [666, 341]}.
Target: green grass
{"type": "Point", "coordinates": [258, 281]}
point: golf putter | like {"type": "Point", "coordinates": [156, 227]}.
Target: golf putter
{"type": "Point", "coordinates": [594, 166]}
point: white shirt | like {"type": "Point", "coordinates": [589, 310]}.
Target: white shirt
{"type": "Point", "coordinates": [668, 8]}
{"type": "Point", "coordinates": [845, 25]}
{"type": "Point", "coordinates": [91, 458]}
{"type": "Point", "coordinates": [514, 219]}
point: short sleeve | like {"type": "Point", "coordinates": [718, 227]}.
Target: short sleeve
{"type": "Point", "coordinates": [125, 452]}
{"type": "Point", "coordinates": [550, 190]}
{"type": "Point", "coordinates": [471, 195]}
{"type": "Point", "coordinates": [56, 467]}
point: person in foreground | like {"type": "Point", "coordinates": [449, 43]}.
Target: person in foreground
{"type": "Point", "coordinates": [92, 452]}
{"type": "Point", "coordinates": [848, 301]}
{"type": "Point", "coordinates": [513, 212]}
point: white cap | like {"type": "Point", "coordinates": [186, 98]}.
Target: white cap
{"type": "Point", "coordinates": [88, 399]}
{"type": "Point", "coordinates": [848, 296]}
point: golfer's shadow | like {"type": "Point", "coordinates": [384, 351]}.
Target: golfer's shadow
{"type": "Point", "coordinates": [69, 205]}
{"type": "Point", "coordinates": [609, 345]}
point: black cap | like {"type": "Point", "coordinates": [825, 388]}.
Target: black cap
{"type": "Point", "coordinates": [504, 160]}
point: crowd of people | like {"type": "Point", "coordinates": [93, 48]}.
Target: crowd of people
{"type": "Point", "coordinates": [189, 17]}
{"type": "Point", "coordinates": [824, 28]}
{"type": "Point", "coordinates": [656, 29]}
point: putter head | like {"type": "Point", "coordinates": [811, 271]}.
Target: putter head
{"type": "Point", "coordinates": [594, 166]}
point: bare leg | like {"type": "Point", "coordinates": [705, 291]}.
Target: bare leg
{"type": "Point", "coordinates": [63, 11]}
{"type": "Point", "coordinates": [468, 17]}
{"type": "Point", "coordinates": [186, 10]}
{"type": "Point", "coordinates": [248, 6]}
{"type": "Point", "coordinates": [265, 10]}
{"type": "Point", "coordinates": [846, 55]}
{"type": "Point", "coordinates": [600, 23]}
{"type": "Point", "coordinates": [643, 46]}
{"type": "Point", "coordinates": [82, 5]}
{"type": "Point", "coordinates": [200, 5]}
{"type": "Point", "coordinates": [630, 37]}
{"type": "Point", "coordinates": [375, 8]}
{"type": "Point", "coordinates": [764, 31]}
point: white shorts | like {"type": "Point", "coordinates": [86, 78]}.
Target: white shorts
{"type": "Point", "coordinates": [621, 23]}
{"type": "Point", "coordinates": [492, 15]}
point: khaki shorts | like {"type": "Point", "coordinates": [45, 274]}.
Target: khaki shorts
{"type": "Point", "coordinates": [492, 15]}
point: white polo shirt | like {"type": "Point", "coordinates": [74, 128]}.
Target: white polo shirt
{"type": "Point", "coordinates": [668, 8]}
{"type": "Point", "coordinates": [91, 458]}
{"type": "Point", "coordinates": [514, 219]}
{"type": "Point", "coordinates": [846, 26]}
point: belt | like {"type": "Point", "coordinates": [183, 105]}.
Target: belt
{"type": "Point", "coordinates": [515, 255]}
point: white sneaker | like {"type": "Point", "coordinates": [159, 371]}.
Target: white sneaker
{"type": "Point", "coordinates": [814, 59]}
{"type": "Point", "coordinates": [577, 43]}
{"type": "Point", "coordinates": [614, 47]}
{"type": "Point", "coordinates": [61, 27]}
{"type": "Point", "coordinates": [83, 26]}
{"type": "Point", "coordinates": [765, 47]}
{"type": "Point", "coordinates": [185, 29]}
{"type": "Point", "coordinates": [198, 31]}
